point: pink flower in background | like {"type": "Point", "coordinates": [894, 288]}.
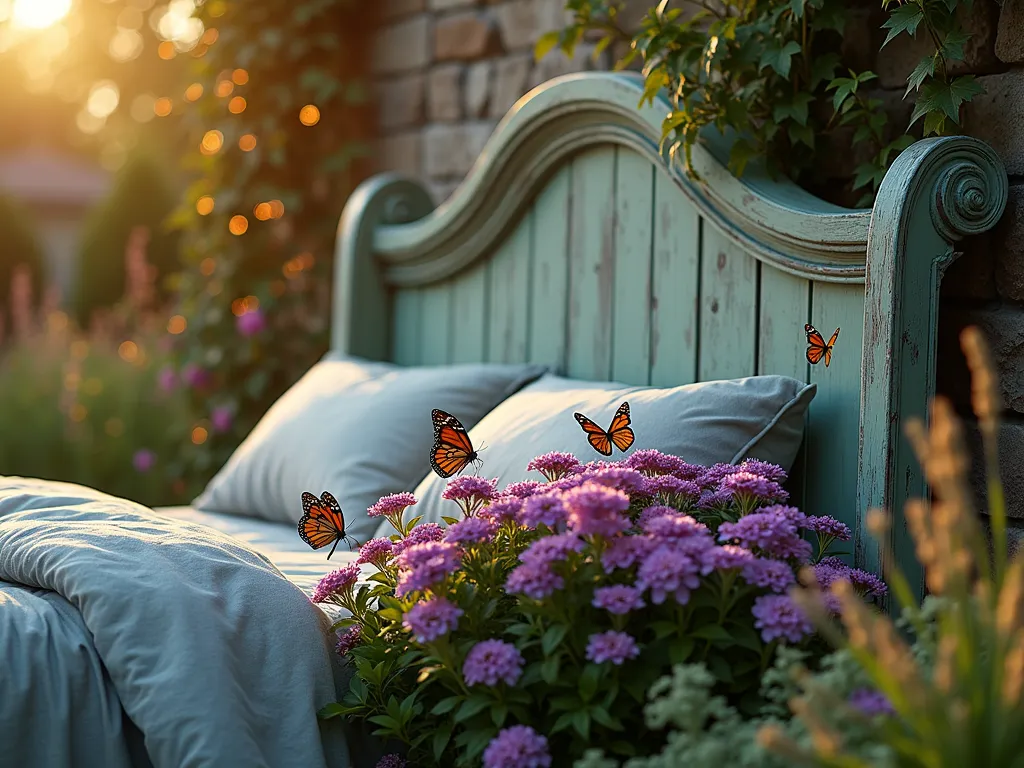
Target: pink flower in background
{"type": "Point", "coordinates": [652, 462]}
{"type": "Point", "coordinates": [195, 376]}
{"type": "Point", "coordinates": [554, 465]}
{"type": "Point", "coordinates": [421, 534]}
{"type": "Point", "coordinates": [426, 565]}
{"type": "Point", "coordinates": [522, 489]}
{"type": "Point", "coordinates": [431, 619]}
{"type": "Point", "coordinates": [143, 460]}
{"type": "Point", "coordinates": [779, 618]}
{"type": "Point", "coordinates": [392, 504]}
{"type": "Point", "coordinates": [471, 530]}
{"type": "Point", "coordinates": [619, 599]}
{"type": "Point", "coordinates": [595, 510]}
{"type": "Point", "coordinates": [348, 640]}
{"type": "Point", "coordinates": [376, 551]}
{"type": "Point", "coordinates": [502, 509]}
{"type": "Point", "coordinates": [167, 378]}
{"type": "Point", "coordinates": [250, 323]}
{"type": "Point", "coordinates": [221, 418]}
{"type": "Point", "coordinates": [392, 761]}
{"type": "Point", "coordinates": [518, 746]}
{"type": "Point", "coordinates": [543, 509]}
{"type": "Point", "coordinates": [492, 661]}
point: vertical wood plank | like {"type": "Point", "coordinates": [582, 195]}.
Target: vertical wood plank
{"type": "Point", "coordinates": [674, 283]}
{"type": "Point", "coordinates": [833, 430]}
{"type": "Point", "coordinates": [470, 321]}
{"type": "Point", "coordinates": [631, 321]}
{"type": "Point", "coordinates": [728, 311]}
{"type": "Point", "coordinates": [592, 265]}
{"type": "Point", "coordinates": [549, 280]}
{"type": "Point", "coordinates": [510, 295]}
{"type": "Point", "coordinates": [436, 324]}
{"type": "Point", "coordinates": [405, 342]}
{"type": "Point", "coordinates": [783, 313]}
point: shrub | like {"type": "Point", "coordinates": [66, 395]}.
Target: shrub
{"type": "Point", "coordinates": [142, 197]}
{"type": "Point", "coordinates": [19, 247]}
{"type": "Point", "coordinates": [537, 622]}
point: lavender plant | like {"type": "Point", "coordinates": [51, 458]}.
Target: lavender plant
{"type": "Point", "coordinates": [531, 629]}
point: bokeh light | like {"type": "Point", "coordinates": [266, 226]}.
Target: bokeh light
{"type": "Point", "coordinates": [224, 88]}
{"type": "Point", "coordinates": [39, 14]}
{"type": "Point", "coordinates": [142, 108]}
{"type": "Point", "coordinates": [247, 142]}
{"type": "Point", "coordinates": [162, 106]}
{"type": "Point", "coordinates": [128, 351]}
{"type": "Point", "coordinates": [104, 97]}
{"type": "Point", "coordinates": [177, 324]}
{"type": "Point", "coordinates": [204, 205]}
{"type": "Point", "coordinates": [240, 77]}
{"type": "Point", "coordinates": [309, 115]}
{"type": "Point", "coordinates": [194, 92]}
{"type": "Point", "coordinates": [237, 105]}
{"type": "Point", "coordinates": [212, 142]}
{"type": "Point", "coordinates": [276, 209]}
{"type": "Point", "coordinates": [199, 435]}
{"type": "Point", "coordinates": [238, 225]}
{"type": "Point", "coordinates": [207, 266]}
{"type": "Point", "coordinates": [262, 211]}
{"type": "Point", "coordinates": [166, 50]}
{"type": "Point", "coordinates": [125, 45]}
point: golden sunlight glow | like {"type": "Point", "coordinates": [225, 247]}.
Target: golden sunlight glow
{"type": "Point", "coordinates": [240, 77]}
{"type": "Point", "coordinates": [177, 324]}
{"type": "Point", "coordinates": [207, 266]}
{"type": "Point", "coordinates": [262, 211]}
{"type": "Point", "coordinates": [199, 435]}
{"type": "Point", "coordinates": [194, 92]}
{"type": "Point", "coordinates": [212, 142]}
{"type": "Point", "coordinates": [309, 115]}
{"type": "Point", "coordinates": [237, 105]}
{"type": "Point", "coordinates": [162, 107]}
{"type": "Point", "coordinates": [247, 143]}
{"type": "Point", "coordinates": [39, 14]}
{"type": "Point", "coordinates": [238, 225]}
{"type": "Point", "coordinates": [224, 88]}
{"type": "Point", "coordinates": [129, 351]}
{"type": "Point", "coordinates": [204, 205]}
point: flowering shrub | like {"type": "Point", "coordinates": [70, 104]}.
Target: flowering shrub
{"type": "Point", "coordinates": [531, 629]}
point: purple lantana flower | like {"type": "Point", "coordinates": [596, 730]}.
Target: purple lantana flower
{"type": "Point", "coordinates": [772, 530]}
{"type": "Point", "coordinates": [779, 618]}
{"type": "Point", "coordinates": [871, 702]}
{"type": "Point", "coordinates": [221, 418]}
{"type": "Point", "coordinates": [652, 462]}
{"type": "Point", "coordinates": [470, 492]}
{"type": "Point", "coordinates": [667, 571]}
{"type": "Point", "coordinates": [167, 378]}
{"type": "Point", "coordinates": [337, 587]}
{"type": "Point", "coordinates": [543, 509]}
{"type": "Point", "coordinates": [715, 501]}
{"type": "Point", "coordinates": [552, 549]}
{"type": "Point", "coordinates": [431, 619]}
{"type": "Point", "coordinates": [619, 599]}
{"type": "Point", "coordinates": [770, 574]}
{"type": "Point", "coordinates": [750, 491]}
{"type": "Point", "coordinates": [620, 478]}
{"type": "Point", "coordinates": [626, 551]}
{"type": "Point", "coordinates": [194, 376]}
{"type": "Point", "coordinates": [523, 489]}
{"type": "Point", "coordinates": [657, 510]}
{"type": "Point", "coordinates": [597, 511]}
{"type": "Point", "coordinates": [392, 761]}
{"type": "Point", "coordinates": [376, 552]}
{"type": "Point", "coordinates": [536, 580]}
{"type": "Point", "coordinates": [611, 646]}
{"type": "Point", "coordinates": [348, 640]}
{"type": "Point", "coordinates": [725, 558]}
{"type": "Point", "coordinates": [518, 746]}
{"type": "Point", "coordinates": [143, 460]}
{"type": "Point", "coordinates": [422, 566]}
{"type": "Point", "coordinates": [672, 490]}
{"type": "Point", "coordinates": [678, 526]}
{"type": "Point", "coordinates": [471, 530]}
{"type": "Point", "coordinates": [824, 526]}
{"type": "Point", "coordinates": [832, 569]}
{"type": "Point", "coordinates": [765, 469]}
{"type": "Point", "coordinates": [421, 534]}
{"type": "Point", "coordinates": [503, 509]}
{"type": "Point", "coordinates": [554, 465]}
{"type": "Point", "coordinates": [250, 323]}
{"type": "Point", "coordinates": [392, 507]}
{"type": "Point", "coordinates": [491, 662]}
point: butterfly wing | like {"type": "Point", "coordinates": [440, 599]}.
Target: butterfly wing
{"type": "Point", "coordinates": [453, 450]}
{"type": "Point", "coordinates": [815, 344]}
{"type": "Point", "coordinates": [599, 439]}
{"type": "Point", "coordinates": [319, 525]}
{"type": "Point", "coordinates": [828, 347]}
{"type": "Point", "coordinates": [620, 432]}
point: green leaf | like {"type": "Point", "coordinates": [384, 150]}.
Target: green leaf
{"type": "Point", "coordinates": [331, 710]}
{"type": "Point", "coordinates": [599, 48]}
{"type": "Point", "coordinates": [712, 632]}
{"type": "Point", "coordinates": [925, 68]}
{"type": "Point", "coordinates": [498, 714]}
{"type": "Point", "coordinates": [553, 637]}
{"type": "Point", "coordinates": [549, 669]}
{"type": "Point", "coordinates": [450, 520]}
{"type": "Point", "coordinates": [588, 681]}
{"type": "Point", "coordinates": [445, 705]}
{"type": "Point", "coordinates": [441, 738]}
{"type": "Point", "coordinates": [779, 57]}
{"type": "Point", "coordinates": [581, 722]}
{"type": "Point", "coordinates": [564, 721]}
{"type": "Point", "coordinates": [934, 122]}
{"type": "Point", "coordinates": [545, 44]}
{"type": "Point", "coordinates": [679, 651]}
{"type": "Point", "coordinates": [801, 134]}
{"type": "Point", "coordinates": [953, 44]}
{"type": "Point", "coordinates": [471, 707]}
{"type": "Point", "coordinates": [905, 18]}
{"type": "Point", "coordinates": [795, 109]}
{"type": "Point", "coordinates": [823, 68]}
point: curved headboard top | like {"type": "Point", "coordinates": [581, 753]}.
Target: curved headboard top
{"type": "Point", "coordinates": [771, 217]}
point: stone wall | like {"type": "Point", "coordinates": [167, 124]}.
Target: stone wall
{"type": "Point", "coordinates": [448, 70]}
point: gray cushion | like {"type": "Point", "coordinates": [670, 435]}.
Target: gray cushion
{"type": "Point", "coordinates": [355, 428]}
{"type": "Point", "coordinates": [716, 421]}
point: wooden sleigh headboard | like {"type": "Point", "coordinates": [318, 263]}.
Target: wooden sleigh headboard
{"type": "Point", "coordinates": [573, 242]}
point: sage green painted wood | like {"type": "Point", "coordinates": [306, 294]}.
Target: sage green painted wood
{"type": "Point", "coordinates": [509, 315]}
{"type": "Point", "coordinates": [470, 293]}
{"type": "Point", "coordinates": [549, 278]}
{"type": "Point", "coordinates": [728, 309]}
{"type": "Point", "coordinates": [435, 324]}
{"type": "Point", "coordinates": [592, 264]}
{"type": "Point", "coordinates": [674, 283]}
{"type": "Point", "coordinates": [784, 302]}
{"type": "Point", "coordinates": [936, 192]}
{"type": "Point", "coordinates": [406, 325]}
{"type": "Point", "coordinates": [833, 430]}
{"type": "Point", "coordinates": [634, 239]}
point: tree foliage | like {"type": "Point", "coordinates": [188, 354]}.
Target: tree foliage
{"type": "Point", "coordinates": [19, 246]}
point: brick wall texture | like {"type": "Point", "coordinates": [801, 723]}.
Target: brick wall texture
{"type": "Point", "coordinates": [448, 70]}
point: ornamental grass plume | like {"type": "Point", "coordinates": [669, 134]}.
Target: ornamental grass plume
{"type": "Point", "coordinates": [954, 697]}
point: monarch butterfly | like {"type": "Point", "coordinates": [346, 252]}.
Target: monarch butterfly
{"type": "Point", "coordinates": [618, 433]}
{"type": "Point", "coordinates": [322, 521]}
{"type": "Point", "coordinates": [453, 451]}
{"type": "Point", "coordinates": [816, 346]}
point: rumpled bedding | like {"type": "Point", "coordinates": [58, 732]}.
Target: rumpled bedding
{"type": "Point", "coordinates": [131, 639]}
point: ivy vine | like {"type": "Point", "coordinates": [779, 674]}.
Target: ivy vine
{"type": "Point", "coordinates": [769, 71]}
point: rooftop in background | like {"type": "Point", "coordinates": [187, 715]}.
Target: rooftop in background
{"type": "Point", "coordinates": [42, 176]}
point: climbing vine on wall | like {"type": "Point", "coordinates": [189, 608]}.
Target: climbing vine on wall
{"type": "Point", "coordinates": [770, 72]}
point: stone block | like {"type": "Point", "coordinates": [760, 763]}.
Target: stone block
{"type": "Point", "coordinates": [447, 5]}
{"type": "Point", "coordinates": [1011, 454]}
{"type": "Point", "coordinates": [397, 9]}
{"type": "Point", "coordinates": [476, 91]}
{"type": "Point", "coordinates": [997, 117]}
{"type": "Point", "coordinates": [522, 22]}
{"type": "Point", "coordinates": [402, 47]}
{"type": "Point", "coordinates": [1007, 247]}
{"type": "Point", "coordinates": [898, 59]}
{"type": "Point", "coordinates": [972, 275]}
{"type": "Point", "coordinates": [401, 153]}
{"type": "Point", "coordinates": [400, 102]}
{"type": "Point", "coordinates": [1003, 327]}
{"type": "Point", "coordinates": [1010, 38]}
{"type": "Point", "coordinates": [510, 77]}
{"type": "Point", "coordinates": [444, 93]}
{"type": "Point", "coordinates": [557, 63]}
{"type": "Point", "coordinates": [450, 150]}
{"type": "Point", "coordinates": [466, 37]}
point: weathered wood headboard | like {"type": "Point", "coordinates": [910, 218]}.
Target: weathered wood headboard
{"type": "Point", "coordinates": [573, 242]}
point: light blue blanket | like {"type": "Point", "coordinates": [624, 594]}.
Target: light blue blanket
{"type": "Point", "coordinates": [120, 627]}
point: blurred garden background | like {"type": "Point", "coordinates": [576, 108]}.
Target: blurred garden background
{"type": "Point", "coordinates": [171, 176]}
